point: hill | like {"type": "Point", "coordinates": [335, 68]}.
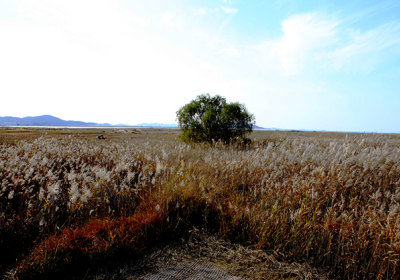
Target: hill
{"type": "Point", "coordinates": [45, 120]}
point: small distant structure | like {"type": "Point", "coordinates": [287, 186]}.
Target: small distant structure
{"type": "Point", "coordinates": [100, 136]}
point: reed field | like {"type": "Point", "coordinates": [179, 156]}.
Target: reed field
{"type": "Point", "coordinates": [330, 200]}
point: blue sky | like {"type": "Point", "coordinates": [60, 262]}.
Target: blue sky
{"type": "Point", "coordinates": [315, 65]}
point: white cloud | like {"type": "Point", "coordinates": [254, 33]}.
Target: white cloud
{"type": "Point", "coordinates": [141, 21]}
{"type": "Point", "coordinates": [223, 24]}
{"type": "Point", "coordinates": [230, 51]}
{"type": "Point", "coordinates": [369, 12]}
{"type": "Point", "coordinates": [363, 50]}
{"type": "Point", "coordinates": [228, 10]}
{"type": "Point", "coordinates": [207, 11]}
{"type": "Point", "coordinates": [303, 35]}
{"type": "Point", "coordinates": [316, 40]}
{"type": "Point", "coordinates": [167, 21]}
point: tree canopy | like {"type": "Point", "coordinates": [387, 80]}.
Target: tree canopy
{"type": "Point", "coordinates": [208, 119]}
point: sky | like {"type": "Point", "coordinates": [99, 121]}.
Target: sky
{"type": "Point", "coordinates": [307, 65]}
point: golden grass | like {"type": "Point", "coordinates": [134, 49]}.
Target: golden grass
{"type": "Point", "coordinates": [327, 199]}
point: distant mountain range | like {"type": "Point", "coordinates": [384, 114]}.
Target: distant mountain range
{"type": "Point", "coordinates": [47, 120]}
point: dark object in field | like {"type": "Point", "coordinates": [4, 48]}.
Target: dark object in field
{"type": "Point", "coordinates": [100, 136]}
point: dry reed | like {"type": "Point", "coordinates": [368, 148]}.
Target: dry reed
{"type": "Point", "coordinates": [329, 201]}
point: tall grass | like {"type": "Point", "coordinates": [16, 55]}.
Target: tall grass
{"type": "Point", "coordinates": [332, 202]}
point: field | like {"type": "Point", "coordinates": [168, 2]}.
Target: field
{"type": "Point", "coordinates": [328, 200]}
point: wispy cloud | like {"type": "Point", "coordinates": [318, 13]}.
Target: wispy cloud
{"type": "Point", "coordinates": [202, 11]}
{"type": "Point", "coordinates": [303, 35]}
{"type": "Point", "coordinates": [224, 23]}
{"type": "Point", "coordinates": [230, 51]}
{"type": "Point", "coordinates": [318, 40]}
{"type": "Point", "coordinates": [229, 10]}
{"type": "Point", "coordinates": [363, 50]}
{"type": "Point", "coordinates": [368, 12]}
{"type": "Point", "coordinates": [205, 11]}
{"type": "Point", "coordinates": [167, 22]}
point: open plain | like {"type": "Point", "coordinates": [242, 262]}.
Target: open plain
{"type": "Point", "coordinates": [290, 205]}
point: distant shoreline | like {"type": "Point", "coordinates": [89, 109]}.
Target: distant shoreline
{"type": "Point", "coordinates": [108, 127]}
{"type": "Point", "coordinates": [85, 127]}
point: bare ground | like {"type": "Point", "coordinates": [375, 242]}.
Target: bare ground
{"type": "Point", "coordinates": [246, 262]}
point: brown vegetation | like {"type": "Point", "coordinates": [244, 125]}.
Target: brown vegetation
{"type": "Point", "coordinates": [329, 200]}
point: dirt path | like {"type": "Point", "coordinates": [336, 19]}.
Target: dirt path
{"type": "Point", "coordinates": [201, 251]}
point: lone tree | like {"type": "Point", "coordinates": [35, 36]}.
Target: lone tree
{"type": "Point", "coordinates": [210, 118]}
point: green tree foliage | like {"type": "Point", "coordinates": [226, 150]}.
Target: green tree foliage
{"type": "Point", "coordinates": [211, 118]}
